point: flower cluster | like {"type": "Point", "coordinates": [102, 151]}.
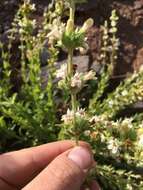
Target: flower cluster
{"type": "Point", "coordinates": [79, 79]}
{"type": "Point", "coordinates": [69, 116]}
{"type": "Point", "coordinates": [117, 135]}
{"type": "Point", "coordinates": [127, 93]}
{"type": "Point", "coordinates": [57, 28]}
{"type": "Point", "coordinates": [113, 146]}
{"type": "Point", "coordinates": [97, 119]}
{"type": "Point", "coordinates": [116, 140]}
{"type": "Point", "coordinates": [24, 24]}
{"type": "Point", "coordinates": [74, 38]}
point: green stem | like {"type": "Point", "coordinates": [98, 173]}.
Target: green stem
{"type": "Point", "coordinates": [71, 73]}
{"type": "Point", "coordinates": [23, 66]}
{"type": "Point", "coordinates": [74, 108]}
{"type": "Point", "coordinates": [73, 95]}
{"type": "Point", "coordinates": [70, 64]}
{"type": "Point", "coordinates": [72, 10]}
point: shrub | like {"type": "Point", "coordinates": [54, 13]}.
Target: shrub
{"type": "Point", "coordinates": [40, 112]}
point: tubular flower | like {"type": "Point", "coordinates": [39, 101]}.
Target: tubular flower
{"type": "Point", "coordinates": [69, 116]}
{"type": "Point", "coordinates": [70, 26]}
{"type": "Point", "coordinates": [87, 25]}
{"type": "Point", "coordinates": [89, 76]}
{"type": "Point", "coordinates": [56, 32]}
{"type": "Point", "coordinates": [140, 142]}
{"type": "Point", "coordinates": [79, 79]}
{"type": "Point", "coordinates": [113, 146]}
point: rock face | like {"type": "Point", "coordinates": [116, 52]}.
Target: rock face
{"type": "Point", "coordinates": [90, 5]}
{"type": "Point", "coordinates": [7, 10]}
{"type": "Point", "coordinates": [130, 31]}
{"type": "Point", "coordinates": [138, 60]}
{"type": "Point", "coordinates": [82, 63]}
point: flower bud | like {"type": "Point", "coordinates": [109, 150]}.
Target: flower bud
{"type": "Point", "coordinates": [87, 24]}
{"type": "Point", "coordinates": [59, 7]}
{"type": "Point", "coordinates": [70, 26]}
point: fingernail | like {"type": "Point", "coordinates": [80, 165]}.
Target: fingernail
{"type": "Point", "coordinates": [82, 157]}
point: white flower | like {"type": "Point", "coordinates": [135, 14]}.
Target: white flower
{"type": "Point", "coordinates": [141, 125]}
{"type": "Point", "coordinates": [124, 93]}
{"type": "Point", "coordinates": [87, 133]}
{"type": "Point", "coordinates": [55, 34]}
{"type": "Point", "coordinates": [140, 142]}
{"type": "Point", "coordinates": [127, 122]}
{"type": "Point", "coordinates": [56, 31]}
{"type": "Point", "coordinates": [113, 146]}
{"type": "Point", "coordinates": [77, 80]}
{"type": "Point", "coordinates": [111, 103]}
{"type": "Point", "coordinates": [80, 113]}
{"type": "Point", "coordinates": [129, 187]}
{"type": "Point", "coordinates": [89, 76]}
{"type": "Point", "coordinates": [102, 137]}
{"type": "Point", "coordinates": [69, 116]}
{"type": "Point", "coordinates": [62, 72]}
{"type": "Point", "coordinates": [96, 119]}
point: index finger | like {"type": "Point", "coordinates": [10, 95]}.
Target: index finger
{"type": "Point", "coordinates": [19, 167]}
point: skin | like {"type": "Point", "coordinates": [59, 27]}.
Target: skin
{"type": "Point", "coordinates": [34, 168]}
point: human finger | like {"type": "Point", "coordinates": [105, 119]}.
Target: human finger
{"type": "Point", "coordinates": [19, 167]}
{"type": "Point", "coordinates": [67, 171]}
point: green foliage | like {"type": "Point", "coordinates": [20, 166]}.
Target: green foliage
{"type": "Point", "coordinates": [31, 111]}
{"type": "Point", "coordinates": [76, 1]}
{"type": "Point", "coordinates": [73, 40]}
{"type": "Point", "coordinates": [35, 113]}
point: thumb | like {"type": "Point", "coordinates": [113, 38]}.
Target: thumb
{"type": "Point", "coordinates": [67, 171]}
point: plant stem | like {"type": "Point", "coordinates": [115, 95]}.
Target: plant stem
{"type": "Point", "coordinates": [73, 95]}
{"type": "Point", "coordinates": [74, 108]}
{"type": "Point", "coordinates": [70, 63]}
{"type": "Point", "coordinates": [70, 74]}
{"type": "Point", "coordinates": [72, 10]}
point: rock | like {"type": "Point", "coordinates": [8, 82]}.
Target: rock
{"type": "Point", "coordinates": [96, 66]}
{"type": "Point", "coordinates": [44, 55]}
{"type": "Point", "coordinates": [138, 60]}
{"type": "Point", "coordinates": [138, 4]}
{"type": "Point", "coordinates": [138, 12]}
{"type": "Point", "coordinates": [91, 4]}
{"type": "Point", "coordinates": [130, 25]}
{"type": "Point", "coordinates": [81, 62]}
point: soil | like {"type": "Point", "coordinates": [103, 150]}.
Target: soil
{"type": "Point", "coordinates": [130, 27]}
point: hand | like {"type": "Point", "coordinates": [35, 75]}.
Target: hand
{"type": "Point", "coordinates": [53, 166]}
